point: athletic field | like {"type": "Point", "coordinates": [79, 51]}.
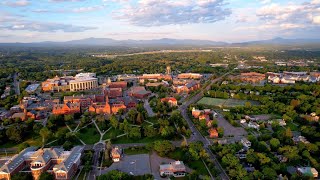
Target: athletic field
{"type": "Point", "coordinates": [224, 102]}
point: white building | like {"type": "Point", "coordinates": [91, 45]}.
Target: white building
{"type": "Point", "coordinates": [175, 169]}
{"type": "Point", "coordinates": [245, 142]}
{"type": "Point", "coordinates": [84, 81]}
{"type": "Point", "coordinates": [253, 125]}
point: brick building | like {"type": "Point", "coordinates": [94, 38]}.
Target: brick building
{"type": "Point", "coordinates": [189, 76]}
{"type": "Point", "coordinates": [67, 108]}
{"type": "Point", "coordinates": [63, 164]}
{"type": "Point", "coordinates": [107, 107]}
{"type": "Point", "coordinates": [187, 88]}
{"type": "Point", "coordinates": [252, 77]}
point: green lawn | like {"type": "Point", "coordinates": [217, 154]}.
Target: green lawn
{"type": "Point", "coordinates": [81, 176]}
{"type": "Point", "coordinates": [292, 126]}
{"type": "Point", "coordinates": [137, 150]}
{"type": "Point", "coordinates": [32, 141]}
{"type": "Point", "coordinates": [212, 101]}
{"type": "Point", "coordinates": [124, 140]}
{"type": "Point", "coordinates": [89, 135]}
{"type": "Point", "coordinates": [198, 165]}
{"type": "Point", "coordinates": [112, 133]}
{"type": "Point", "coordinates": [224, 102]}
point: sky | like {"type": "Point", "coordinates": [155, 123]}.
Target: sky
{"type": "Point", "coordinates": [216, 20]}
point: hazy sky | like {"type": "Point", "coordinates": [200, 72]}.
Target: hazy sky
{"type": "Point", "coordinates": [218, 20]}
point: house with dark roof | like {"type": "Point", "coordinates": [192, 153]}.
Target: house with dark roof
{"type": "Point", "coordinates": [139, 92]}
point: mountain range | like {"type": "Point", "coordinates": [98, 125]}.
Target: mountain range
{"type": "Point", "coordinates": [163, 42]}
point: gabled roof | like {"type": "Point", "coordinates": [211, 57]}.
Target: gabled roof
{"type": "Point", "coordinates": [66, 165]}
{"type": "Point", "coordinates": [15, 161]}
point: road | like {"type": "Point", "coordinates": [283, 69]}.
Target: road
{"type": "Point", "coordinates": [97, 149]}
{"type": "Point", "coordinates": [196, 135]}
{"type": "Point", "coordinates": [148, 108]}
{"type": "Point", "coordinates": [16, 84]}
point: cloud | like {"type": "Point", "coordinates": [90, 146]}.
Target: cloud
{"type": "Point", "coordinates": [15, 22]}
{"type": "Point", "coordinates": [316, 20]}
{"type": "Point", "coordinates": [87, 9]}
{"type": "Point", "coordinates": [167, 12]}
{"type": "Point", "coordinates": [265, 1]}
{"type": "Point", "coordinates": [291, 16]}
{"type": "Point", "coordinates": [45, 27]}
{"type": "Point", "coordinates": [66, 0]}
{"type": "Point", "coordinates": [18, 3]}
{"type": "Point", "coordinates": [40, 11]}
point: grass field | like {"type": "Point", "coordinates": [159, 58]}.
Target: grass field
{"type": "Point", "coordinates": [124, 140]}
{"type": "Point", "coordinates": [225, 102]}
{"type": "Point", "coordinates": [133, 151]}
{"type": "Point", "coordinates": [89, 135]}
{"type": "Point", "coordinates": [32, 141]}
{"type": "Point", "coordinates": [198, 165]}
{"type": "Point", "coordinates": [112, 133]}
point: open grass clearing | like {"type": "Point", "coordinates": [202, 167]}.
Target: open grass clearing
{"type": "Point", "coordinates": [136, 150]}
{"type": "Point", "coordinates": [225, 102]}
{"type": "Point", "coordinates": [89, 135]}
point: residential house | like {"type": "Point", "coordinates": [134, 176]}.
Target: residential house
{"type": "Point", "coordinates": [116, 154]}
{"type": "Point", "coordinates": [281, 122]}
{"type": "Point", "coordinates": [171, 101]}
{"type": "Point", "coordinates": [253, 125]}
{"type": "Point", "coordinates": [297, 139]}
{"type": "Point", "coordinates": [213, 133]}
{"type": "Point", "coordinates": [307, 171]}
{"type": "Point", "coordinates": [245, 142]}
{"type": "Point", "coordinates": [196, 112]}
{"type": "Point", "coordinates": [312, 117]}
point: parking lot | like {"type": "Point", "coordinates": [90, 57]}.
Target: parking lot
{"type": "Point", "coordinates": [133, 164]}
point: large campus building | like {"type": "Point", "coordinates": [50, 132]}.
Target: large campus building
{"type": "Point", "coordinates": [63, 164]}
{"type": "Point", "coordinates": [80, 82]}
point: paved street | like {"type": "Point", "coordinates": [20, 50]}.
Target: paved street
{"type": "Point", "coordinates": [196, 135]}
{"type": "Point", "coordinates": [16, 84]}
{"type": "Point", "coordinates": [148, 108]}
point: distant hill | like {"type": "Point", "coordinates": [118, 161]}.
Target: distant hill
{"type": "Point", "coordinates": [112, 42]}
{"type": "Point", "coordinates": [279, 41]}
{"type": "Point", "coordinates": [161, 42]}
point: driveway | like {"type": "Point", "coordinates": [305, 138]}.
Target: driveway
{"type": "Point", "coordinates": [148, 108]}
